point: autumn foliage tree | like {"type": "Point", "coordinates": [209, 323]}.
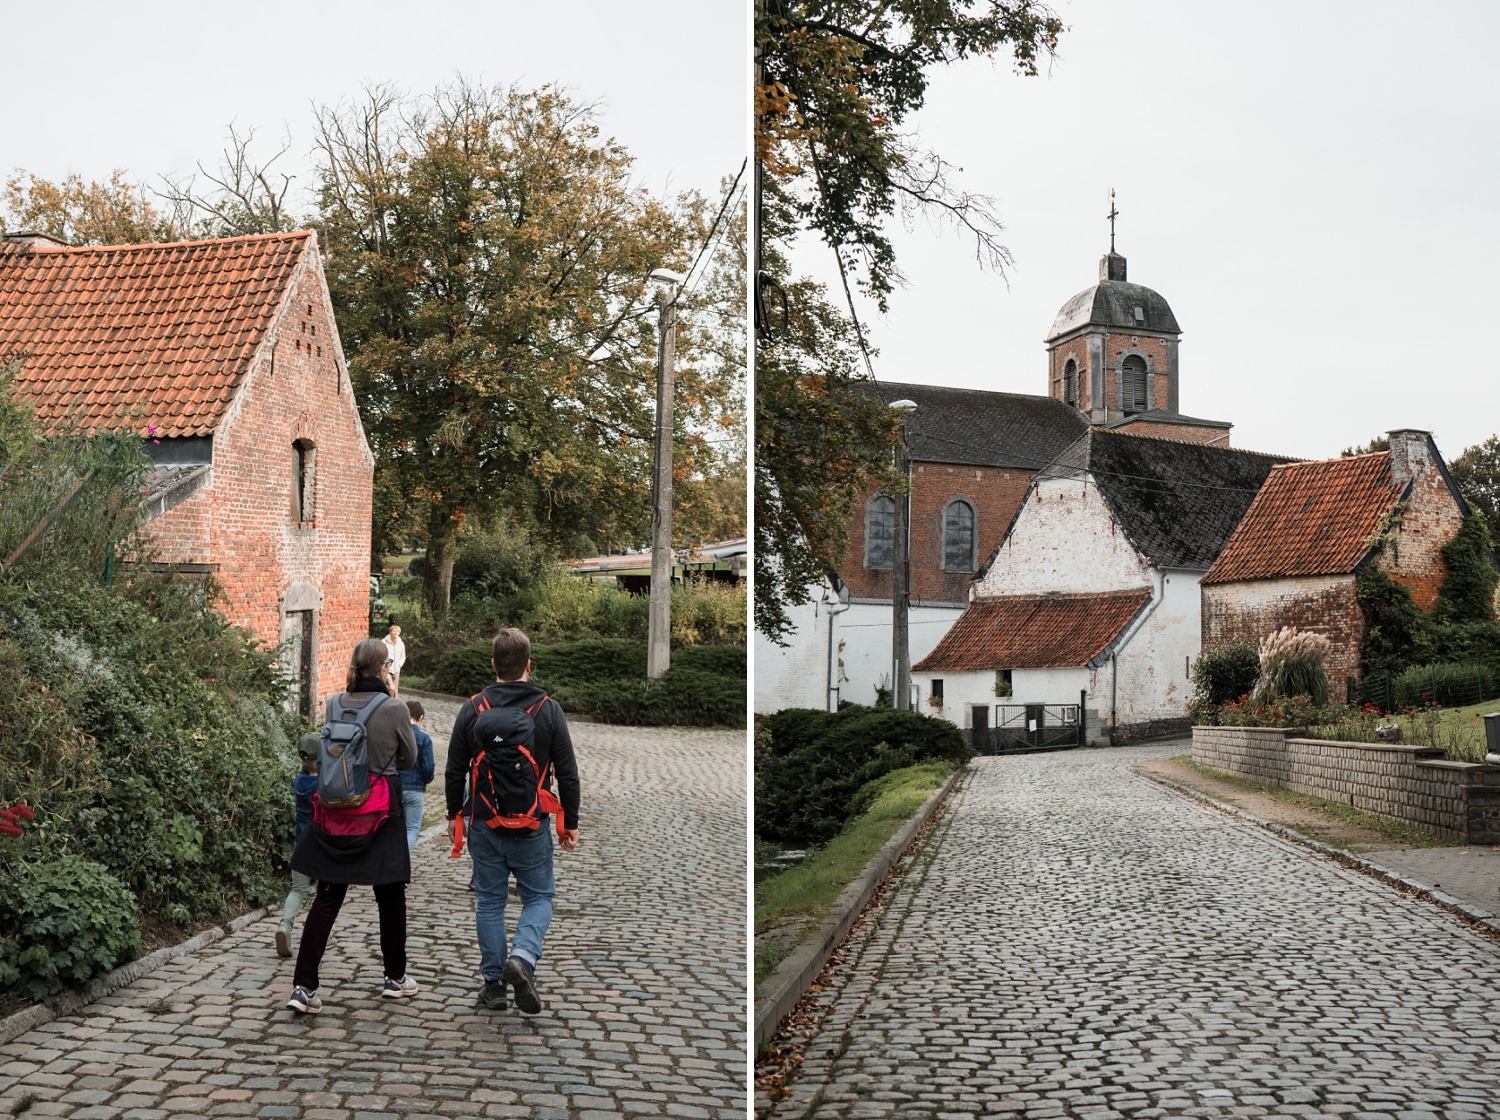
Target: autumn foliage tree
{"type": "Point", "coordinates": [483, 247]}
{"type": "Point", "coordinates": [836, 83]}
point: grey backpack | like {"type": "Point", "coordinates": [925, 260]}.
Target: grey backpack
{"type": "Point", "coordinates": [344, 755]}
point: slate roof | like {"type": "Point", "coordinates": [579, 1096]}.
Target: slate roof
{"type": "Point", "coordinates": [1310, 519]}
{"type": "Point", "coordinates": [141, 334]}
{"type": "Point", "coordinates": [1176, 502]}
{"type": "Point", "coordinates": [1034, 631]}
{"type": "Point", "coordinates": [1112, 303]}
{"type": "Point", "coordinates": [980, 428]}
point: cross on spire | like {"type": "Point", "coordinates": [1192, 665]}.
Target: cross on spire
{"type": "Point", "coordinates": [1112, 215]}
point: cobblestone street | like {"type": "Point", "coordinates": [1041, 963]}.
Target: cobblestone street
{"type": "Point", "coordinates": [1073, 941]}
{"type": "Point", "coordinates": [643, 980]}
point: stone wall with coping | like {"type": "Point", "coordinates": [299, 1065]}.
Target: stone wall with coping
{"type": "Point", "coordinates": [1408, 783]}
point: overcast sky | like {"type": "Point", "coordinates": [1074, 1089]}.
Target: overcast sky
{"type": "Point", "coordinates": [1312, 188]}
{"type": "Point", "coordinates": [151, 86]}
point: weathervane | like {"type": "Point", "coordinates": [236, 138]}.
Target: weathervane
{"type": "Point", "coordinates": [1112, 215]}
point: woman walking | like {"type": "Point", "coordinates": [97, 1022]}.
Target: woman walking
{"type": "Point", "coordinates": [365, 845]}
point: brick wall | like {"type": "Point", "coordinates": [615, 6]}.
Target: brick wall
{"type": "Point", "coordinates": [1183, 433]}
{"type": "Point", "coordinates": [1430, 519]}
{"type": "Point", "coordinates": [1322, 604]}
{"type": "Point", "coordinates": [995, 495]}
{"type": "Point", "coordinates": [1408, 783]}
{"type": "Point", "coordinates": [269, 561]}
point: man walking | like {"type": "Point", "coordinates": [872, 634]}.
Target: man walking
{"type": "Point", "coordinates": [507, 742]}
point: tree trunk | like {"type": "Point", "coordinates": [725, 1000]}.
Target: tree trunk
{"type": "Point", "coordinates": [437, 575]}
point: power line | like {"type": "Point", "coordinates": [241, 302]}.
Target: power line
{"type": "Point", "coordinates": [714, 229]}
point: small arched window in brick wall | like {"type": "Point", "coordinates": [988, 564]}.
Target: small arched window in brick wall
{"type": "Point", "coordinates": [958, 536]}
{"type": "Point", "coordinates": [304, 459]}
{"type": "Point", "coordinates": [1070, 383]}
{"type": "Point", "coordinates": [880, 531]}
{"type": "Point", "coordinates": [1133, 384]}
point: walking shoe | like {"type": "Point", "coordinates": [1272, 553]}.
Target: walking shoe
{"type": "Point", "coordinates": [518, 974]}
{"type": "Point", "coordinates": [492, 995]}
{"type": "Point", "coordinates": [399, 989]}
{"type": "Point", "coordinates": [304, 1001]}
{"type": "Point", "coordinates": [283, 943]}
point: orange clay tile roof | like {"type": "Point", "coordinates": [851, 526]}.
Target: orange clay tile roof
{"type": "Point", "coordinates": [1033, 631]}
{"type": "Point", "coordinates": [131, 335]}
{"type": "Point", "coordinates": [1310, 519]}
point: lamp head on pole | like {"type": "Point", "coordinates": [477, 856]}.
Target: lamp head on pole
{"type": "Point", "coordinates": [667, 276]}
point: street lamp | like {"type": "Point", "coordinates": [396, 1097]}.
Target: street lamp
{"type": "Point", "coordinates": [659, 620]}
{"type": "Point", "coordinates": [901, 566]}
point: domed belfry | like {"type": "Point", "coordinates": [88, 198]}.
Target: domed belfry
{"type": "Point", "coordinates": [1112, 354]}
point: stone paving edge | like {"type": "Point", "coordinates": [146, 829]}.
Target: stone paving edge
{"type": "Point", "coordinates": [1489, 922]}
{"type": "Point", "coordinates": [785, 987]}
{"type": "Point", "coordinates": [38, 1014]}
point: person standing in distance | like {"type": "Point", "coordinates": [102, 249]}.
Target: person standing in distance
{"type": "Point", "coordinates": [521, 847]}
{"type": "Point", "coordinates": [397, 659]}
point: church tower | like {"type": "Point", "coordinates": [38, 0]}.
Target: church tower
{"type": "Point", "coordinates": [1112, 354]}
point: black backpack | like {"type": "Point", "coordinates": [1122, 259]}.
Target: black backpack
{"type": "Point", "coordinates": [507, 789]}
{"type": "Point", "coordinates": [344, 756]}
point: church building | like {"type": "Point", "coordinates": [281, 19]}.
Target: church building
{"type": "Point", "coordinates": [973, 455]}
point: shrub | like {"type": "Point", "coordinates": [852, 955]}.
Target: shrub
{"type": "Point", "coordinates": [813, 764]}
{"type": "Point", "coordinates": [1292, 663]}
{"type": "Point", "coordinates": [1290, 711]}
{"type": "Point", "coordinates": [1397, 633]}
{"type": "Point", "coordinates": [680, 697]}
{"type": "Point", "coordinates": [65, 921]}
{"type": "Point", "coordinates": [1222, 673]}
{"type": "Point", "coordinates": [498, 559]}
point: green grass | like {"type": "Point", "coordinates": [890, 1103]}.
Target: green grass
{"type": "Point", "coordinates": [789, 904]}
{"type": "Point", "coordinates": [1392, 833]}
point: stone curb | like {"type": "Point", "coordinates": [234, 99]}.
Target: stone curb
{"type": "Point", "coordinates": [1482, 918]}
{"type": "Point", "coordinates": [38, 1014]}
{"type": "Point", "coordinates": [784, 988]}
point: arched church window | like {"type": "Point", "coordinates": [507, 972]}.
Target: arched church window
{"type": "Point", "coordinates": [958, 536]}
{"type": "Point", "coordinates": [1133, 384]}
{"type": "Point", "coordinates": [1070, 383]}
{"type": "Point", "coordinates": [880, 531]}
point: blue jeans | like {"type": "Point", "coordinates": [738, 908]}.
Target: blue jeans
{"type": "Point", "coordinates": [498, 854]}
{"type": "Point", "coordinates": [411, 805]}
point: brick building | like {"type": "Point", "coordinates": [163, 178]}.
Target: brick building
{"type": "Point", "coordinates": [225, 352]}
{"type": "Point", "coordinates": [1112, 363]}
{"type": "Point", "coordinates": [1294, 559]}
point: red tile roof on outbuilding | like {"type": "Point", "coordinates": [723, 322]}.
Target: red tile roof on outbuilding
{"type": "Point", "coordinates": [1310, 519]}
{"type": "Point", "coordinates": [131, 335]}
{"type": "Point", "coordinates": [1034, 631]}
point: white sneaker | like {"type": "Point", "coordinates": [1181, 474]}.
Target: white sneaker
{"type": "Point", "coordinates": [399, 989]}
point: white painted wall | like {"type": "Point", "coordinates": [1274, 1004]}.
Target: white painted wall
{"type": "Point", "coordinates": [797, 675]}
{"type": "Point", "coordinates": [1064, 539]}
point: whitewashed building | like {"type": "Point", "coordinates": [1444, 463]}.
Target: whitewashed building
{"type": "Point", "coordinates": [1089, 608]}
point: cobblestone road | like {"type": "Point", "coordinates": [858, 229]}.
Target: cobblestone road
{"type": "Point", "coordinates": [1072, 941]}
{"type": "Point", "coordinates": [643, 977]}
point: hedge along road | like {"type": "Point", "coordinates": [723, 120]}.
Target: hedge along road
{"type": "Point", "coordinates": [643, 980]}
{"type": "Point", "coordinates": [1075, 941]}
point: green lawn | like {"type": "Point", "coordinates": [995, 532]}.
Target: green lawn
{"type": "Point", "coordinates": [794, 902]}
{"type": "Point", "coordinates": [1458, 731]}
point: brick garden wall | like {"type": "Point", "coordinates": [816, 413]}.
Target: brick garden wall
{"type": "Point", "coordinates": [1325, 605]}
{"type": "Point", "coordinates": [1409, 783]}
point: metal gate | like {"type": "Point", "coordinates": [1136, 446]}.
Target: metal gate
{"type": "Point", "coordinates": [1031, 727]}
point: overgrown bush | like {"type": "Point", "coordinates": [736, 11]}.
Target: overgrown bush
{"type": "Point", "coordinates": [62, 923]}
{"type": "Point", "coordinates": [1222, 673]}
{"type": "Point", "coordinates": [811, 764]}
{"type": "Point", "coordinates": [1293, 663]}
{"type": "Point", "coordinates": [681, 697]}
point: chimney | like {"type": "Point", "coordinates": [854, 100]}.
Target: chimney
{"type": "Point", "coordinates": [1411, 454]}
{"type": "Point", "coordinates": [1112, 266]}
{"type": "Point", "coordinates": [29, 241]}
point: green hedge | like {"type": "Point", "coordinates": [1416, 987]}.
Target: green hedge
{"type": "Point", "coordinates": [606, 678]}
{"type": "Point", "coordinates": [810, 765]}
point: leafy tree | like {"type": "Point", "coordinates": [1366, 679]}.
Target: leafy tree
{"type": "Point", "coordinates": [115, 212]}
{"type": "Point", "coordinates": [1379, 443]}
{"type": "Point", "coordinates": [836, 82]}
{"type": "Point", "coordinates": [483, 244]}
{"type": "Point", "coordinates": [1477, 473]}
